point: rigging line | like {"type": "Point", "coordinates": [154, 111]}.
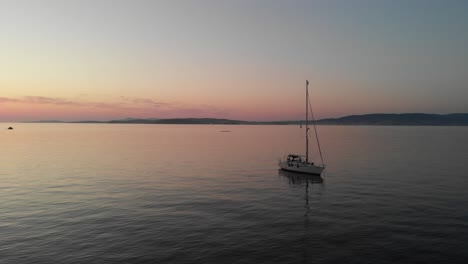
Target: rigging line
{"type": "Point", "coordinates": [316, 134]}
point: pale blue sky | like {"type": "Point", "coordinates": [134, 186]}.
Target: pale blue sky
{"type": "Point", "coordinates": [242, 59]}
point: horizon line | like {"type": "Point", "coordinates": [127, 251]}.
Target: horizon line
{"type": "Point", "coordinates": [216, 118]}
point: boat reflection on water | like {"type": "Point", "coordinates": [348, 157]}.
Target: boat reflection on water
{"type": "Point", "coordinates": [299, 179]}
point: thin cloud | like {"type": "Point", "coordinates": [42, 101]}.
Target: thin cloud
{"type": "Point", "coordinates": [130, 106]}
{"type": "Point", "coordinates": [142, 101]}
{"type": "Point", "coordinates": [58, 101]}
{"type": "Point", "coordinates": [7, 100]}
{"type": "Point", "coordinates": [48, 100]}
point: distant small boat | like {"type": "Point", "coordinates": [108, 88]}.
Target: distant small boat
{"type": "Point", "coordinates": [10, 128]}
{"type": "Point", "coordinates": [225, 131]}
{"type": "Point", "coordinates": [301, 163]}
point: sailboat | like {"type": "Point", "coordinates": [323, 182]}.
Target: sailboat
{"type": "Point", "coordinates": [301, 163]}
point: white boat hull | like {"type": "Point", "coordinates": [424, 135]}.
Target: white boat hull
{"type": "Point", "coordinates": [301, 168]}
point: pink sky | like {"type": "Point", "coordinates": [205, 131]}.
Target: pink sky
{"type": "Point", "coordinates": [245, 60]}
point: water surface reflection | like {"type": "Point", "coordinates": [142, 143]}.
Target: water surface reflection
{"type": "Point", "coordinates": [299, 179]}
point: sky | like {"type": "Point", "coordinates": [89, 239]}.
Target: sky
{"type": "Point", "coordinates": [238, 59]}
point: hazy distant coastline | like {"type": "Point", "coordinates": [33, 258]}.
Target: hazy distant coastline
{"type": "Point", "coordinates": [409, 119]}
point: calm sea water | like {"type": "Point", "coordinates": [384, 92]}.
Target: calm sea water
{"type": "Point", "coordinates": [96, 193]}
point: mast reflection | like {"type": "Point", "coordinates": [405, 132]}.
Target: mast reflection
{"type": "Point", "coordinates": [304, 179]}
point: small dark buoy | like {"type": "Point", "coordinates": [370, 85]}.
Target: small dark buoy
{"type": "Point", "coordinates": [10, 128]}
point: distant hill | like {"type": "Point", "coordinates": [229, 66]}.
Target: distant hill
{"type": "Point", "coordinates": [47, 121]}
{"type": "Point", "coordinates": [409, 119]}
{"type": "Point", "coordinates": [179, 121]}
{"type": "Point", "coordinates": [208, 121]}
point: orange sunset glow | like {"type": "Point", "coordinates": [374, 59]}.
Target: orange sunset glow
{"type": "Point", "coordinates": [84, 60]}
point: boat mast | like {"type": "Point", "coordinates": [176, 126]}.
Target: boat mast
{"type": "Point", "coordinates": [315, 128]}
{"type": "Point", "coordinates": [307, 121]}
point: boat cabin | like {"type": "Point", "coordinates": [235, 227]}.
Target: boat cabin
{"type": "Point", "coordinates": [296, 159]}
